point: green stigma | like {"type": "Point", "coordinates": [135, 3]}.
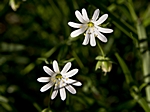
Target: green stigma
{"type": "Point", "coordinates": [90, 24]}
{"type": "Point", "coordinates": [58, 76]}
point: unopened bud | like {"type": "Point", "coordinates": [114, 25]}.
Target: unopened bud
{"type": "Point", "coordinates": [106, 66]}
{"type": "Point", "coordinates": [104, 63]}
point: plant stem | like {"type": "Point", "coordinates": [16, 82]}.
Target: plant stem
{"type": "Point", "coordinates": [142, 102]}
{"type": "Point", "coordinates": [77, 59]}
{"type": "Point", "coordinates": [100, 48]}
{"type": "Point", "coordinates": [49, 100]}
{"type": "Point", "coordinates": [145, 57]}
{"type": "Point", "coordinates": [145, 54]}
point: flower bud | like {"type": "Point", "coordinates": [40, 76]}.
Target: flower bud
{"type": "Point", "coordinates": [104, 63]}
{"type": "Point", "coordinates": [106, 66]}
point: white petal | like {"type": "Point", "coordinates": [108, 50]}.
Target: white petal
{"type": "Point", "coordinates": [48, 70]}
{"type": "Point", "coordinates": [73, 82]}
{"type": "Point", "coordinates": [86, 39]}
{"type": "Point", "coordinates": [101, 19]}
{"type": "Point", "coordinates": [46, 87]}
{"type": "Point", "coordinates": [54, 94]}
{"type": "Point", "coordinates": [104, 30]}
{"type": "Point", "coordinates": [43, 79]}
{"type": "Point", "coordinates": [77, 83]}
{"type": "Point", "coordinates": [71, 89]}
{"type": "Point", "coordinates": [79, 17]}
{"type": "Point", "coordinates": [55, 66]}
{"type": "Point", "coordinates": [62, 93]}
{"type": "Point", "coordinates": [74, 25]}
{"type": "Point", "coordinates": [85, 16]}
{"type": "Point", "coordinates": [78, 32]}
{"type": "Point", "coordinates": [71, 73]}
{"type": "Point", "coordinates": [66, 68]}
{"type": "Point", "coordinates": [70, 81]}
{"type": "Point", "coordinates": [95, 15]}
{"type": "Point", "coordinates": [101, 36]}
{"type": "Point", "coordinates": [92, 39]}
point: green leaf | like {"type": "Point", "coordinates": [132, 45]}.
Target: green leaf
{"type": "Point", "coordinates": [28, 68]}
{"type": "Point", "coordinates": [131, 9]}
{"type": "Point", "coordinates": [98, 65]}
{"type": "Point", "coordinates": [6, 106]}
{"type": "Point", "coordinates": [46, 110]}
{"type": "Point", "coordinates": [145, 16]}
{"type": "Point", "coordinates": [125, 69]}
{"type": "Point", "coordinates": [37, 106]}
{"type": "Point", "coordinates": [142, 86]}
{"type": "Point", "coordinates": [143, 103]}
{"type": "Point", "coordinates": [50, 52]}
{"type": "Point", "coordinates": [129, 80]}
{"type": "Point", "coordinates": [3, 99]}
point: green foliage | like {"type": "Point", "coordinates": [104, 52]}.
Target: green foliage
{"type": "Point", "coordinates": [34, 33]}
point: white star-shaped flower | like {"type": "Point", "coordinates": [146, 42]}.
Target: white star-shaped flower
{"type": "Point", "coordinates": [91, 26]}
{"type": "Point", "coordinates": [60, 80]}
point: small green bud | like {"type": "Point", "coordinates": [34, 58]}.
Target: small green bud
{"type": "Point", "coordinates": [106, 66]}
{"type": "Point", "coordinates": [104, 63]}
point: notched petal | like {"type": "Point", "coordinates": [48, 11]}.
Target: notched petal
{"type": "Point", "coordinates": [86, 39]}
{"type": "Point", "coordinates": [95, 15]}
{"type": "Point", "coordinates": [85, 16]}
{"type": "Point", "coordinates": [66, 68]}
{"type": "Point", "coordinates": [92, 40]}
{"type": "Point", "coordinates": [46, 87]}
{"type": "Point", "coordinates": [77, 83]}
{"type": "Point", "coordinates": [43, 79]}
{"type": "Point", "coordinates": [104, 30]}
{"type": "Point", "coordinates": [62, 94]}
{"type": "Point", "coordinates": [71, 89]}
{"type": "Point", "coordinates": [101, 19]}
{"type": "Point", "coordinates": [101, 37]}
{"type": "Point", "coordinates": [79, 17]}
{"type": "Point", "coordinates": [71, 73]}
{"type": "Point", "coordinates": [54, 94]}
{"type": "Point", "coordinates": [55, 66]}
{"type": "Point", "coordinates": [74, 25]}
{"type": "Point", "coordinates": [78, 32]}
{"type": "Point", "coordinates": [48, 70]}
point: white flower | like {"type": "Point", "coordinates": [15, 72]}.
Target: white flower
{"type": "Point", "coordinates": [60, 80]}
{"type": "Point", "coordinates": [91, 26]}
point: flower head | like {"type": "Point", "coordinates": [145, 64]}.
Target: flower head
{"type": "Point", "coordinates": [60, 80]}
{"type": "Point", "coordinates": [91, 27]}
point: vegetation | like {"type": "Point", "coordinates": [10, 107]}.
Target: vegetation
{"type": "Point", "coordinates": [114, 75]}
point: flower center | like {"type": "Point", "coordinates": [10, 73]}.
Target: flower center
{"type": "Point", "coordinates": [58, 76]}
{"type": "Point", "coordinates": [90, 24]}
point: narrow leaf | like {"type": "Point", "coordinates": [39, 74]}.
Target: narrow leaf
{"type": "Point", "coordinates": [125, 69]}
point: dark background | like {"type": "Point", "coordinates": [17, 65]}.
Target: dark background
{"type": "Point", "coordinates": [37, 33]}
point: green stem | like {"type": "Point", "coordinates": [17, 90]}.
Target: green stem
{"type": "Point", "coordinates": [143, 48]}
{"type": "Point", "coordinates": [77, 59]}
{"type": "Point", "coordinates": [100, 48]}
{"type": "Point", "coordinates": [131, 9]}
{"type": "Point", "coordinates": [49, 100]}
{"type": "Point", "coordinates": [142, 102]}
{"type": "Point", "coordinates": [145, 57]}
{"type": "Point", "coordinates": [68, 103]}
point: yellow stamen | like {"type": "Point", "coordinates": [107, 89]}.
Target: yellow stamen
{"type": "Point", "coordinates": [90, 24]}
{"type": "Point", "coordinates": [58, 76]}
